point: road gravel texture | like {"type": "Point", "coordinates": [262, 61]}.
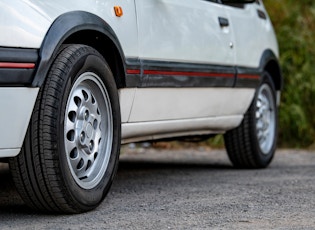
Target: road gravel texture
{"type": "Point", "coordinates": [186, 189]}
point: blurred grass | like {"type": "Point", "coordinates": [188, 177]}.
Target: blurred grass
{"type": "Point", "coordinates": [294, 23]}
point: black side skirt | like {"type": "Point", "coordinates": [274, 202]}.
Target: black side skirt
{"type": "Point", "coordinates": [149, 74]}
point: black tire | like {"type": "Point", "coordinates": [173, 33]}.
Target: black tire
{"type": "Point", "coordinates": [57, 171]}
{"type": "Point", "coordinates": [245, 145]}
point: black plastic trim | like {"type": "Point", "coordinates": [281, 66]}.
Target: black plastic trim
{"type": "Point", "coordinates": [18, 55]}
{"type": "Point", "coordinates": [133, 72]}
{"type": "Point", "coordinates": [177, 74]}
{"type": "Point", "coordinates": [266, 57]}
{"type": "Point", "coordinates": [268, 62]}
{"type": "Point", "coordinates": [269, 57]}
{"type": "Point", "coordinates": [248, 77]}
{"type": "Point", "coordinates": [155, 74]}
{"type": "Point", "coordinates": [186, 75]}
{"type": "Point", "coordinates": [63, 27]}
{"type": "Point", "coordinates": [17, 76]}
{"type": "Point", "coordinates": [224, 22]}
{"type": "Point", "coordinates": [261, 14]}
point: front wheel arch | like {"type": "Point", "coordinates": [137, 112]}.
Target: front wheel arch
{"type": "Point", "coordinates": [42, 171]}
{"type": "Point", "coordinates": [80, 27]}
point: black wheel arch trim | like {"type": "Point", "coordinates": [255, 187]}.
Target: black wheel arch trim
{"type": "Point", "coordinates": [270, 63]}
{"type": "Point", "coordinates": [62, 28]}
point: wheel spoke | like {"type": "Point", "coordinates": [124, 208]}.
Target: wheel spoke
{"type": "Point", "coordinates": [70, 145]}
{"type": "Point", "coordinates": [265, 118]}
{"type": "Point", "coordinates": [88, 130]}
{"type": "Point", "coordinates": [81, 164]}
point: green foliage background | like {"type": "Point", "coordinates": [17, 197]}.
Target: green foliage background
{"type": "Point", "coordinates": [294, 23]}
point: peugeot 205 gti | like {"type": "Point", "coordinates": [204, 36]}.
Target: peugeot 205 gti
{"type": "Point", "coordinates": [78, 78]}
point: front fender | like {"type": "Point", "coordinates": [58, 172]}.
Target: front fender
{"type": "Point", "coordinates": [64, 26]}
{"type": "Point", "coordinates": [22, 25]}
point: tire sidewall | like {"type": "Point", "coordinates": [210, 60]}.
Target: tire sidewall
{"type": "Point", "coordinates": [262, 158]}
{"type": "Point", "coordinates": [89, 62]}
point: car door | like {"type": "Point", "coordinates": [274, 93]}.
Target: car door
{"type": "Point", "coordinates": [185, 51]}
{"type": "Point", "coordinates": [185, 31]}
{"type": "Point", "coordinates": [247, 21]}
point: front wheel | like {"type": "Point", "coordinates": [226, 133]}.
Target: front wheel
{"type": "Point", "coordinates": [253, 143]}
{"type": "Point", "coordinates": [70, 153]}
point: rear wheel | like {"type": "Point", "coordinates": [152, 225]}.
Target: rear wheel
{"type": "Point", "coordinates": [253, 143]}
{"type": "Point", "coordinates": [70, 153]}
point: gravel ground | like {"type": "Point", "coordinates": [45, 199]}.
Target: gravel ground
{"type": "Point", "coordinates": [186, 189]}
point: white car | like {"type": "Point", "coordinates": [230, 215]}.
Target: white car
{"type": "Point", "coordinates": [78, 78]}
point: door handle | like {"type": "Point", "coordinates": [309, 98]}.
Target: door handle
{"type": "Point", "coordinates": [261, 14]}
{"type": "Point", "coordinates": [224, 22]}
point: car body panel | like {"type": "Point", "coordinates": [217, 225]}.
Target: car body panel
{"type": "Point", "coordinates": [16, 105]}
{"type": "Point", "coordinates": [185, 103]}
{"type": "Point", "coordinates": [153, 130]}
{"type": "Point", "coordinates": [183, 31]}
{"type": "Point", "coordinates": [186, 72]}
{"type": "Point", "coordinates": [30, 20]}
{"type": "Point", "coordinates": [21, 25]}
{"type": "Point", "coordinates": [246, 44]}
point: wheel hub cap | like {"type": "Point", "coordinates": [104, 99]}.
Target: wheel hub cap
{"type": "Point", "coordinates": [265, 118]}
{"type": "Point", "coordinates": [88, 130]}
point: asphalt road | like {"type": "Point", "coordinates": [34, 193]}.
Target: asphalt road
{"type": "Point", "coordinates": [186, 189]}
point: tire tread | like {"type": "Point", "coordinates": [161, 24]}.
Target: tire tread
{"type": "Point", "coordinates": [241, 143]}
{"type": "Point", "coordinates": [35, 170]}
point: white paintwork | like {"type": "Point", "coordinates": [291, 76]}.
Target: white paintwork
{"type": "Point", "coordinates": [160, 113]}
{"type": "Point", "coordinates": [21, 25]}
{"type": "Point", "coordinates": [158, 129]}
{"type": "Point", "coordinates": [173, 30]}
{"type": "Point", "coordinates": [157, 104]}
{"type": "Point", "coordinates": [251, 34]}
{"type": "Point", "coordinates": [168, 30]}
{"type": "Point", "coordinates": [9, 152]}
{"type": "Point", "coordinates": [16, 108]}
{"type": "Point", "coordinates": [126, 97]}
{"type": "Point", "coordinates": [189, 31]}
{"type": "Point", "coordinates": [24, 23]}
{"type": "Point", "coordinates": [183, 31]}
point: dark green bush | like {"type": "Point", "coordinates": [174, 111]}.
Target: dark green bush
{"type": "Point", "coordinates": [294, 23]}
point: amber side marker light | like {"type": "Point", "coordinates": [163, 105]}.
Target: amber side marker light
{"type": "Point", "coordinates": [118, 11]}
